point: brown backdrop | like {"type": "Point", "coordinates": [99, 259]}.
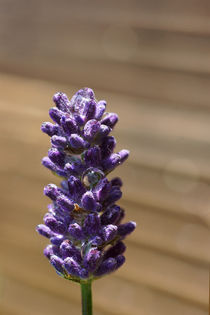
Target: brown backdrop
{"type": "Point", "coordinates": [151, 61]}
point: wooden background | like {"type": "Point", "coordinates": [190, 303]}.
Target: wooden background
{"type": "Point", "coordinates": [151, 61]}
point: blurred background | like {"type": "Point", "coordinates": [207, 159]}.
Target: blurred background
{"type": "Point", "coordinates": [151, 61]}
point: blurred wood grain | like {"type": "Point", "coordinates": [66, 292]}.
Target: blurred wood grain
{"type": "Point", "coordinates": [151, 62]}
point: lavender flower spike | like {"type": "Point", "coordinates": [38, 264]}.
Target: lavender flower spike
{"type": "Point", "coordinates": [83, 222]}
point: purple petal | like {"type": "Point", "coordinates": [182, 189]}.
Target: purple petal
{"type": "Point", "coordinates": [102, 189]}
{"type": "Point", "coordinates": [107, 146]}
{"type": "Point", "coordinates": [61, 100]}
{"type": "Point", "coordinates": [57, 263]}
{"type": "Point", "coordinates": [44, 230]}
{"type": "Point", "coordinates": [50, 129]}
{"type": "Point", "coordinates": [51, 191]}
{"type": "Point", "coordinates": [76, 142]}
{"type": "Point", "coordinates": [55, 114]}
{"type": "Point", "coordinates": [57, 157]}
{"type": "Point", "coordinates": [92, 157]}
{"type": "Point", "coordinates": [51, 250]}
{"type": "Point", "coordinates": [110, 120]}
{"type": "Point", "coordinates": [91, 129]}
{"type": "Point", "coordinates": [91, 259]}
{"type": "Point", "coordinates": [49, 164]}
{"type": "Point", "coordinates": [75, 231]}
{"type": "Point", "coordinates": [88, 201]}
{"type": "Point", "coordinates": [59, 142]}
{"type": "Point", "coordinates": [55, 225]}
{"type": "Point", "coordinates": [116, 181]}
{"type": "Point", "coordinates": [115, 250]}
{"type": "Point", "coordinates": [65, 203]}
{"type": "Point", "coordinates": [92, 224]}
{"type": "Point", "coordinates": [111, 215]}
{"type": "Point", "coordinates": [100, 109]}
{"type": "Point", "coordinates": [57, 239]}
{"type": "Point", "coordinates": [109, 232]}
{"type": "Point", "coordinates": [72, 267]}
{"type": "Point", "coordinates": [69, 125]}
{"type": "Point", "coordinates": [106, 267]}
{"type": "Point", "coordinates": [126, 228]}
{"type": "Point", "coordinates": [113, 196]}
{"type": "Point", "coordinates": [76, 189]}
{"type": "Point", "coordinates": [69, 250]}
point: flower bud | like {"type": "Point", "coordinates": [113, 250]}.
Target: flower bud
{"type": "Point", "coordinates": [69, 125]}
{"type": "Point", "coordinates": [49, 164]}
{"type": "Point", "coordinates": [110, 120]}
{"type": "Point", "coordinates": [65, 203]}
{"type": "Point", "coordinates": [102, 189]}
{"type": "Point", "coordinates": [80, 121]}
{"type": "Point", "coordinates": [111, 215]}
{"type": "Point", "coordinates": [107, 146]}
{"type": "Point", "coordinates": [126, 228]}
{"type": "Point", "coordinates": [116, 181]}
{"type": "Point", "coordinates": [57, 263]}
{"type": "Point", "coordinates": [57, 239]}
{"type": "Point", "coordinates": [109, 232]}
{"type": "Point", "coordinates": [69, 250]}
{"type": "Point", "coordinates": [76, 189]}
{"type": "Point", "coordinates": [50, 129]}
{"type": "Point", "coordinates": [61, 101]}
{"type": "Point", "coordinates": [91, 129]}
{"type": "Point", "coordinates": [51, 250]}
{"type": "Point", "coordinates": [72, 267]}
{"type": "Point", "coordinates": [111, 162]}
{"type": "Point", "coordinates": [44, 230]}
{"type": "Point", "coordinates": [92, 224]}
{"type": "Point", "coordinates": [100, 109]}
{"type": "Point", "coordinates": [114, 160]}
{"type": "Point", "coordinates": [123, 155]}
{"type": "Point", "coordinates": [55, 225]}
{"type": "Point", "coordinates": [114, 195]}
{"type": "Point", "coordinates": [75, 231]}
{"type": "Point", "coordinates": [55, 114]}
{"type": "Point", "coordinates": [92, 157]}
{"type": "Point", "coordinates": [106, 267]}
{"type": "Point", "coordinates": [115, 250]}
{"type": "Point", "coordinates": [76, 142]}
{"type": "Point", "coordinates": [102, 133]}
{"type": "Point", "coordinates": [88, 201]}
{"type": "Point", "coordinates": [57, 157]}
{"type": "Point", "coordinates": [74, 168]}
{"type": "Point", "coordinates": [91, 259]}
{"type": "Point", "coordinates": [89, 109]}
{"type": "Point", "coordinates": [52, 191]}
{"type": "Point", "coordinates": [59, 142]}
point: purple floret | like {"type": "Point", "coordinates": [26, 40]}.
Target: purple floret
{"type": "Point", "coordinates": [83, 222]}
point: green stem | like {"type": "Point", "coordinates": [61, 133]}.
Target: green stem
{"type": "Point", "coordinates": [86, 298]}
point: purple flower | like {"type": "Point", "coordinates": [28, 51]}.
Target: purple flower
{"type": "Point", "coordinates": [91, 259]}
{"type": "Point", "coordinates": [126, 228]}
{"type": "Point", "coordinates": [110, 120]}
{"type": "Point", "coordinates": [57, 263]}
{"type": "Point", "coordinates": [83, 222]}
{"type": "Point", "coordinates": [92, 224]}
{"type": "Point", "coordinates": [88, 201]}
{"type": "Point", "coordinates": [72, 267]}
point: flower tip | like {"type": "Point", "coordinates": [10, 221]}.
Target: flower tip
{"type": "Point", "coordinates": [57, 263]}
{"type": "Point", "coordinates": [126, 228]}
{"type": "Point", "coordinates": [56, 97]}
{"type": "Point", "coordinates": [124, 154]}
